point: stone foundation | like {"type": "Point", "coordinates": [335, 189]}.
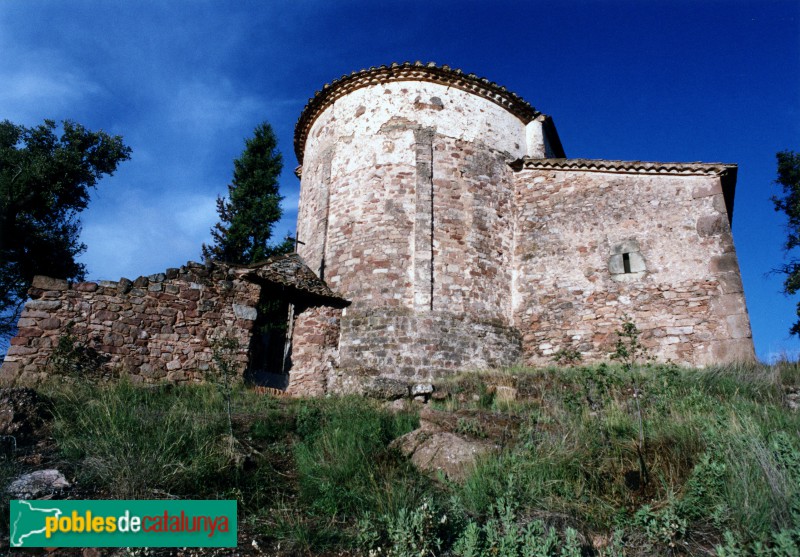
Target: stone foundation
{"type": "Point", "coordinates": [409, 346]}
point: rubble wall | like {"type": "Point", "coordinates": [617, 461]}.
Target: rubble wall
{"type": "Point", "coordinates": [315, 349]}
{"type": "Point", "coordinates": [154, 328]}
{"type": "Point", "coordinates": [682, 289]}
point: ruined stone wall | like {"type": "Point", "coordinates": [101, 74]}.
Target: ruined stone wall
{"type": "Point", "coordinates": [683, 288]}
{"type": "Point", "coordinates": [315, 349]}
{"type": "Point", "coordinates": [154, 328]}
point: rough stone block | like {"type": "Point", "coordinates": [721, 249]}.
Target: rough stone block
{"type": "Point", "coordinates": [86, 287]}
{"type": "Point", "coordinates": [105, 315]}
{"type": "Point", "coordinates": [124, 285]}
{"type": "Point", "coordinates": [711, 187]}
{"type": "Point", "coordinates": [173, 365]}
{"type": "Point", "coordinates": [191, 294]}
{"type": "Point", "coordinates": [724, 263]}
{"type": "Point", "coordinates": [20, 351]}
{"type": "Point", "coordinates": [9, 372]}
{"type": "Point", "coordinates": [738, 326]}
{"type": "Point", "coordinates": [712, 225]}
{"type": "Point", "coordinates": [731, 283]}
{"type": "Point", "coordinates": [50, 323]}
{"type": "Point", "coordinates": [728, 304]}
{"type": "Point", "coordinates": [49, 283]}
{"type": "Point", "coordinates": [727, 351]}
{"type": "Point", "coordinates": [245, 312]}
{"type": "Point", "coordinates": [43, 305]}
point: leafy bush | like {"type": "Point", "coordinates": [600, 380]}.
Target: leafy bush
{"type": "Point", "coordinates": [75, 359]}
{"type": "Point", "coordinates": [503, 536]}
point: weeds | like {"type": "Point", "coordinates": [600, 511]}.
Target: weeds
{"type": "Point", "coordinates": [567, 357]}
{"type": "Point", "coordinates": [722, 453]}
{"type": "Point", "coordinates": [223, 351]}
{"type": "Point", "coordinates": [343, 459]}
{"type": "Point", "coordinates": [130, 441]}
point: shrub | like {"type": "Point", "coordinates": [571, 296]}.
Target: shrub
{"type": "Point", "coordinates": [75, 359]}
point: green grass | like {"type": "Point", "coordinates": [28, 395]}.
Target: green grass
{"type": "Point", "coordinates": [706, 459]}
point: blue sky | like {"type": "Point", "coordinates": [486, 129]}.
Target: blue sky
{"type": "Point", "coordinates": [186, 82]}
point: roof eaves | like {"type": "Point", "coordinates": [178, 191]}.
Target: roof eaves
{"type": "Point", "coordinates": [406, 71]}
{"type": "Point", "coordinates": [627, 167]}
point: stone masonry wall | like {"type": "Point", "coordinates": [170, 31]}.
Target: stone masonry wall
{"type": "Point", "coordinates": [365, 201]}
{"type": "Point", "coordinates": [409, 346]}
{"type": "Point", "coordinates": [153, 328]}
{"type": "Point", "coordinates": [315, 349]}
{"type": "Point", "coordinates": [405, 207]}
{"type": "Point", "coordinates": [473, 197]}
{"type": "Point", "coordinates": [683, 290]}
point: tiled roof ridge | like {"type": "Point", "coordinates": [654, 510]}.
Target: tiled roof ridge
{"type": "Point", "coordinates": [407, 71]}
{"type": "Point", "coordinates": [640, 167]}
{"type": "Point", "coordinates": [289, 270]}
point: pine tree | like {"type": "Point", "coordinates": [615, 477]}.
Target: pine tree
{"type": "Point", "coordinates": [247, 215]}
{"type": "Point", "coordinates": [789, 179]}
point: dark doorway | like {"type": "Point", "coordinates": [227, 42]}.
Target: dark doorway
{"type": "Point", "coordinates": [269, 351]}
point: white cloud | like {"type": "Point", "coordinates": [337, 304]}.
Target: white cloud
{"type": "Point", "coordinates": [32, 86]}
{"type": "Point", "coordinates": [139, 234]}
{"type": "Point", "coordinates": [37, 92]}
{"type": "Point", "coordinates": [199, 214]}
{"type": "Point", "coordinates": [202, 108]}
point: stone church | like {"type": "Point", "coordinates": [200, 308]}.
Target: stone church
{"type": "Point", "coordinates": [441, 228]}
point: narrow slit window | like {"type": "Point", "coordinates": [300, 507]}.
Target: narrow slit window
{"type": "Point", "coordinates": [626, 262]}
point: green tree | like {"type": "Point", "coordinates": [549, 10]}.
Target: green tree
{"type": "Point", "coordinates": [44, 184]}
{"type": "Point", "coordinates": [789, 203]}
{"type": "Point", "coordinates": [252, 207]}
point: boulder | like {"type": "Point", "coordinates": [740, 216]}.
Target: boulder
{"type": "Point", "coordinates": [452, 442]}
{"type": "Point", "coordinates": [421, 389]}
{"type": "Point", "coordinates": [443, 451]}
{"type": "Point", "coordinates": [48, 283]}
{"type": "Point", "coordinates": [35, 484]}
{"type": "Point", "coordinates": [385, 388]}
{"type": "Point", "coordinates": [792, 397]}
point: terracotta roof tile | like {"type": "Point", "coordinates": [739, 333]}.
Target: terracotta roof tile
{"type": "Point", "coordinates": [291, 271]}
{"type": "Point", "coordinates": [628, 167]}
